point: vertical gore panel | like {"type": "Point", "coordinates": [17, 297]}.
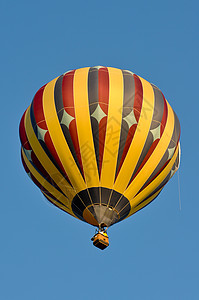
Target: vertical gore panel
{"type": "Point", "coordinates": [93, 89]}
{"type": "Point", "coordinates": [158, 108]}
{"type": "Point", "coordinates": [58, 97]}
{"type": "Point", "coordinates": [113, 128]}
{"type": "Point", "coordinates": [67, 93]}
{"type": "Point", "coordinates": [129, 93]}
{"type": "Point", "coordinates": [37, 109]}
{"type": "Point", "coordinates": [105, 195]}
{"type": "Point", "coordinates": [138, 99]}
{"type": "Point", "coordinates": [176, 132]}
{"type": "Point", "coordinates": [103, 96]}
{"type": "Point", "coordinates": [94, 108]}
{"type": "Point", "coordinates": [103, 89]}
{"type": "Point", "coordinates": [128, 102]}
{"type": "Point", "coordinates": [95, 195]}
{"type": "Point", "coordinates": [84, 129]}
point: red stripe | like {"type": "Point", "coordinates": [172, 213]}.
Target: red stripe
{"type": "Point", "coordinates": [22, 133]}
{"type": "Point", "coordinates": [164, 117]}
{"type": "Point", "coordinates": [103, 89]}
{"type": "Point", "coordinates": [38, 108]}
{"type": "Point", "coordinates": [67, 93]}
{"type": "Point", "coordinates": [103, 96]}
{"type": "Point", "coordinates": [138, 97]}
{"type": "Point", "coordinates": [68, 103]}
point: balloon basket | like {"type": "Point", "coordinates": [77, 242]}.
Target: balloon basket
{"type": "Point", "coordinates": [100, 241]}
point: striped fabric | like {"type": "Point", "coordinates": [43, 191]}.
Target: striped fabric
{"type": "Point", "coordinates": [100, 143]}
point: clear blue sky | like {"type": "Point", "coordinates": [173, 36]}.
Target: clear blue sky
{"type": "Point", "coordinates": [45, 253]}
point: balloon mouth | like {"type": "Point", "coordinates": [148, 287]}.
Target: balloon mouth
{"type": "Point", "coordinates": [100, 206]}
{"type": "Point", "coordinates": [103, 215]}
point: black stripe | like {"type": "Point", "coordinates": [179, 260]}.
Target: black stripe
{"type": "Point", "coordinates": [176, 132]}
{"type": "Point", "coordinates": [105, 195]}
{"type": "Point", "coordinates": [158, 107]}
{"type": "Point", "coordinates": [93, 100]}
{"type": "Point", "coordinates": [129, 93]}
{"type": "Point", "coordinates": [93, 89]}
{"type": "Point", "coordinates": [128, 101]}
{"type": "Point", "coordinates": [95, 194]}
{"type": "Point", "coordinates": [58, 97]}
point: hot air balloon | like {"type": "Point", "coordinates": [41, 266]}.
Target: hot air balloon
{"type": "Point", "coordinates": [100, 143]}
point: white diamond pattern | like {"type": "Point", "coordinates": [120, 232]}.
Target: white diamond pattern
{"type": "Point", "coordinates": [66, 119]}
{"type": "Point", "coordinates": [171, 151]}
{"type": "Point", "coordinates": [98, 114]}
{"type": "Point", "coordinates": [41, 133]}
{"type": "Point", "coordinates": [28, 154]}
{"type": "Point", "coordinates": [130, 119]}
{"type": "Point", "coordinates": [156, 133]}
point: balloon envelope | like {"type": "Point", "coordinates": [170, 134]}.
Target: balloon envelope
{"type": "Point", "coordinates": [100, 143]}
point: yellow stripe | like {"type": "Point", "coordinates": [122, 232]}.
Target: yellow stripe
{"type": "Point", "coordinates": [50, 188]}
{"type": "Point", "coordinates": [157, 181]}
{"type": "Point", "coordinates": [142, 205]}
{"type": "Point", "coordinates": [58, 138]}
{"type": "Point", "coordinates": [113, 128]}
{"type": "Point", "coordinates": [45, 161]}
{"type": "Point", "coordinates": [84, 130]}
{"type": "Point", "coordinates": [154, 184]}
{"type": "Point", "coordinates": [59, 205]}
{"type": "Point", "coordinates": [139, 138]}
{"type": "Point", "coordinates": [154, 159]}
